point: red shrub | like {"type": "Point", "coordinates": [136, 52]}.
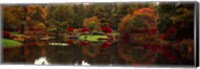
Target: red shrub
{"type": "Point", "coordinates": [37, 29]}
{"type": "Point", "coordinates": [125, 37]}
{"type": "Point", "coordinates": [17, 29]}
{"type": "Point", "coordinates": [83, 43]}
{"type": "Point", "coordinates": [6, 34]}
{"type": "Point", "coordinates": [154, 48]}
{"type": "Point", "coordinates": [152, 31]}
{"type": "Point", "coordinates": [106, 45]}
{"type": "Point", "coordinates": [163, 36]}
{"type": "Point", "coordinates": [167, 54]}
{"type": "Point", "coordinates": [170, 31]}
{"type": "Point", "coordinates": [84, 30]}
{"type": "Point", "coordinates": [33, 44]}
{"type": "Point", "coordinates": [70, 29]}
{"type": "Point", "coordinates": [107, 29]}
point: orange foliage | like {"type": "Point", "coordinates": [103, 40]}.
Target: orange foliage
{"type": "Point", "coordinates": [140, 30]}
{"type": "Point", "coordinates": [87, 22]}
{"type": "Point", "coordinates": [145, 14]}
{"type": "Point", "coordinates": [123, 24]}
{"type": "Point", "coordinates": [148, 11]}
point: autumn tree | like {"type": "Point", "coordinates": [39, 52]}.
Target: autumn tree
{"type": "Point", "coordinates": [28, 14]}
{"type": "Point", "coordinates": [138, 33]}
{"type": "Point", "coordinates": [61, 16]}
{"type": "Point", "coordinates": [92, 23]}
{"type": "Point", "coordinates": [12, 16]}
{"type": "Point", "coordinates": [177, 26]}
{"type": "Point", "coordinates": [79, 15]}
{"type": "Point", "coordinates": [179, 16]}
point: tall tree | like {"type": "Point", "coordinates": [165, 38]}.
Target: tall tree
{"type": "Point", "coordinates": [178, 15]}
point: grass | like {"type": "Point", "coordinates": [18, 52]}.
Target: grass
{"type": "Point", "coordinates": [92, 38]}
{"type": "Point", "coordinates": [7, 43]}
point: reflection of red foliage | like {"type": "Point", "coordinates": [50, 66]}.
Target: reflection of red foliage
{"type": "Point", "coordinates": [106, 45]}
{"type": "Point", "coordinates": [84, 30]}
{"type": "Point", "coordinates": [17, 29]}
{"type": "Point", "coordinates": [70, 29]}
{"type": "Point", "coordinates": [163, 37]}
{"type": "Point", "coordinates": [30, 25]}
{"type": "Point", "coordinates": [107, 29]}
{"type": "Point", "coordinates": [152, 31]}
{"type": "Point", "coordinates": [7, 34]}
{"type": "Point", "coordinates": [125, 37]}
{"type": "Point", "coordinates": [167, 54]}
{"type": "Point", "coordinates": [33, 44]}
{"type": "Point", "coordinates": [83, 43]}
{"type": "Point", "coordinates": [154, 48]}
{"type": "Point", "coordinates": [69, 41]}
{"type": "Point", "coordinates": [111, 39]}
{"type": "Point", "coordinates": [161, 50]}
{"type": "Point", "coordinates": [43, 32]}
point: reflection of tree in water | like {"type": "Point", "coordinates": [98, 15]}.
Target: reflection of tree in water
{"type": "Point", "coordinates": [61, 57]}
{"type": "Point", "coordinates": [102, 56]}
{"type": "Point", "coordinates": [139, 43]}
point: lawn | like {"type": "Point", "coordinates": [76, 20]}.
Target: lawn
{"type": "Point", "coordinates": [92, 38]}
{"type": "Point", "coordinates": [95, 38]}
{"type": "Point", "coordinates": [7, 43]}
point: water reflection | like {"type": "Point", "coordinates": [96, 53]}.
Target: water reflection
{"type": "Point", "coordinates": [71, 51]}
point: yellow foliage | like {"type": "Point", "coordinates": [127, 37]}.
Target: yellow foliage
{"type": "Point", "coordinates": [31, 9]}
{"type": "Point", "coordinates": [41, 25]}
{"type": "Point", "coordinates": [8, 14]}
{"type": "Point", "coordinates": [28, 18]}
{"type": "Point", "coordinates": [43, 12]}
{"type": "Point", "coordinates": [19, 39]}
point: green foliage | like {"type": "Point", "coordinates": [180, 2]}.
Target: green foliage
{"type": "Point", "coordinates": [92, 25]}
{"type": "Point", "coordinates": [7, 43]}
{"type": "Point", "coordinates": [174, 14]}
{"type": "Point", "coordinates": [137, 22]}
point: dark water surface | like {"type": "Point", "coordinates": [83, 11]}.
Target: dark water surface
{"type": "Point", "coordinates": [93, 53]}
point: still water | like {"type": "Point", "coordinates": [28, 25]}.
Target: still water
{"type": "Point", "coordinates": [52, 52]}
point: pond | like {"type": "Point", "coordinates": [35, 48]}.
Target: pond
{"type": "Point", "coordinates": [74, 51]}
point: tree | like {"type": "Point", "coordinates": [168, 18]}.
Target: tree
{"type": "Point", "coordinates": [12, 16]}
{"type": "Point", "coordinates": [138, 33]}
{"type": "Point", "coordinates": [79, 16]}
{"type": "Point", "coordinates": [177, 26]}
{"type": "Point", "coordinates": [28, 14]}
{"type": "Point", "coordinates": [178, 15]}
{"type": "Point", "coordinates": [92, 23]}
{"type": "Point", "coordinates": [62, 16]}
